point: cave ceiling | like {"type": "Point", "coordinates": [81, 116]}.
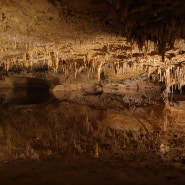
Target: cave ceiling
{"type": "Point", "coordinates": [77, 34]}
{"type": "Point", "coordinates": [159, 21]}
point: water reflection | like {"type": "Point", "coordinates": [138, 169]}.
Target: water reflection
{"type": "Point", "coordinates": [108, 93]}
{"type": "Point", "coordinates": [24, 95]}
{"type": "Point", "coordinates": [105, 128]}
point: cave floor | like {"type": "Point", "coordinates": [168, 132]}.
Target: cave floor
{"type": "Point", "coordinates": [82, 169]}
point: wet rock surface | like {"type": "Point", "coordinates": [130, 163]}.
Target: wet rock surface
{"type": "Point", "coordinates": [111, 143]}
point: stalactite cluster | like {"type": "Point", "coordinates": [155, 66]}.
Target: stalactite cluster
{"type": "Point", "coordinates": [173, 76]}
{"type": "Point", "coordinates": [161, 22]}
{"type": "Point", "coordinates": [50, 57]}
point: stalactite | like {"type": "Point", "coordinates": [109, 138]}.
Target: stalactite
{"type": "Point", "coordinates": [24, 57]}
{"type": "Point", "coordinates": [172, 75]}
{"type": "Point", "coordinates": [96, 150]}
{"type": "Point", "coordinates": [15, 44]}
{"type": "Point", "coordinates": [5, 27]}
{"type": "Point", "coordinates": [149, 70]}
{"type": "Point", "coordinates": [115, 67]}
{"type": "Point", "coordinates": [56, 62]}
{"type": "Point", "coordinates": [99, 67]}
{"type": "Point", "coordinates": [75, 68]}
{"type": "Point", "coordinates": [49, 62]}
{"type": "Point", "coordinates": [7, 65]}
{"type": "Point", "coordinates": [88, 72]}
{"type": "Point", "coordinates": [87, 125]}
{"type": "Point", "coordinates": [31, 58]}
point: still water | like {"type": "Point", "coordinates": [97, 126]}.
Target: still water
{"type": "Point", "coordinates": [33, 123]}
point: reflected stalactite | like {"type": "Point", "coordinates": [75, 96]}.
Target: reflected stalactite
{"type": "Point", "coordinates": [91, 131]}
{"type": "Point", "coordinates": [165, 120]}
{"type": "Point", "coordinates": [96, 150]}
{"type": "Point", "coordinates": [71, 128]}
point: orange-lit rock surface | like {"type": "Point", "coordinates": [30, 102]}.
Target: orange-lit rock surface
{"type": "Point", "coordinates": [92, 92]}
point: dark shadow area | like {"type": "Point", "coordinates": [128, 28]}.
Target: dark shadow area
{"type": "Point", "coordinates": [24, 95]}
{"type": "Point", "coordinates": [25, 91]}
{"type": "Point", "coordinates": [32, 95]}
{"type": "Point", "coordinates": [177, 95]}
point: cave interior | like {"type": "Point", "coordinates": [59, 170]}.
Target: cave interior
{"type": "Point", "coordinates": [92, 92]}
